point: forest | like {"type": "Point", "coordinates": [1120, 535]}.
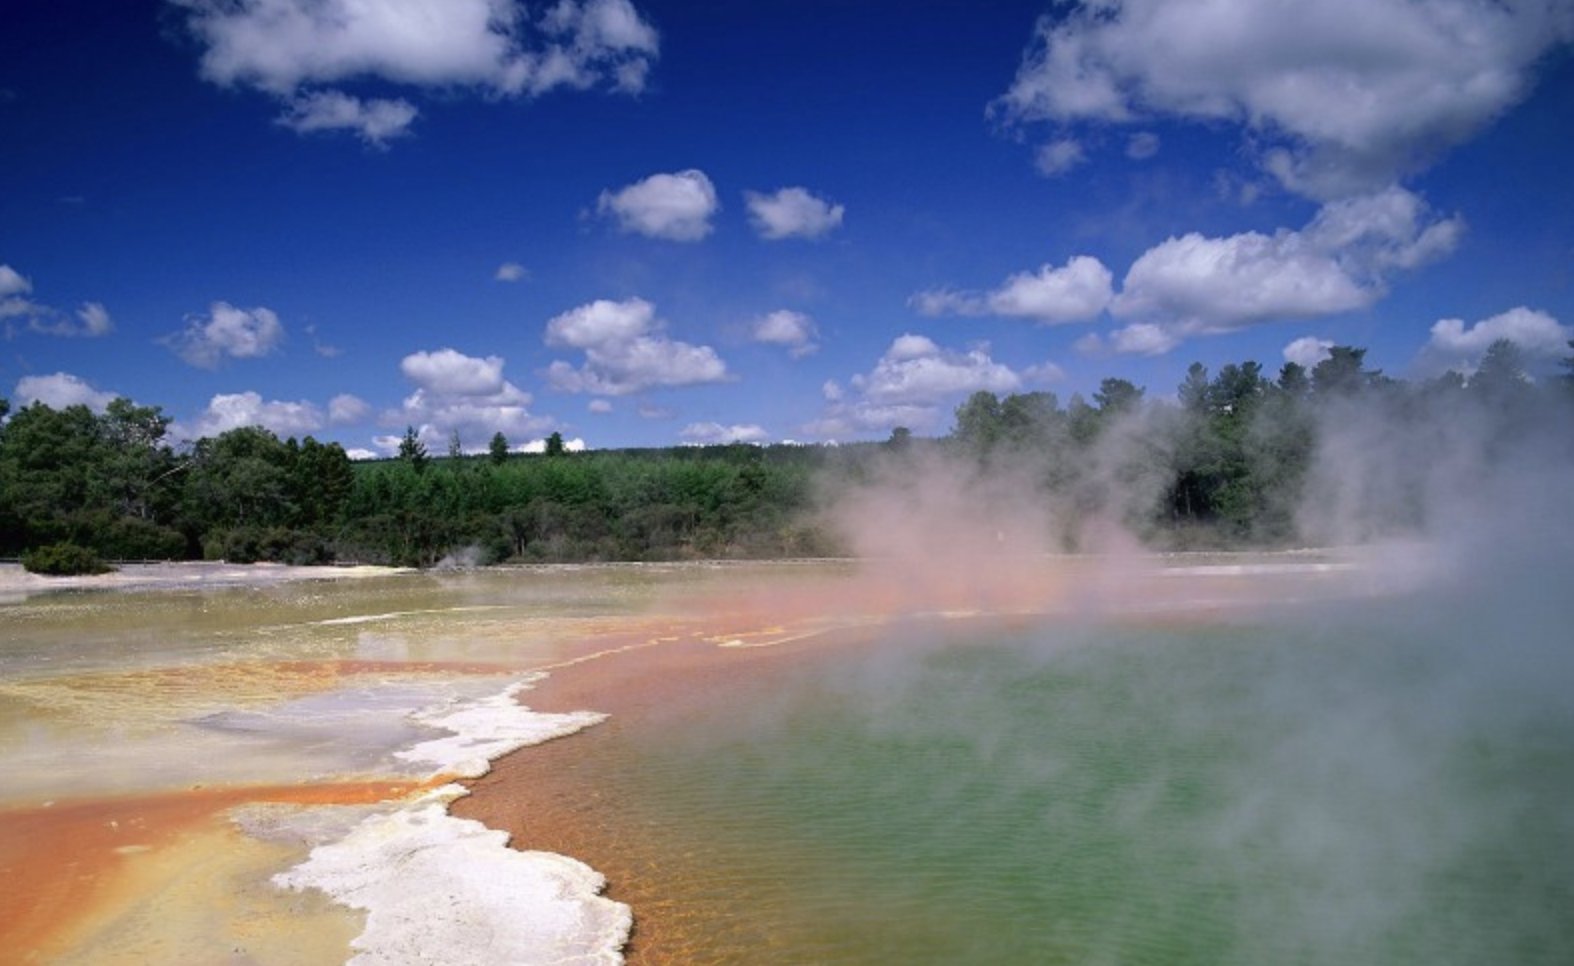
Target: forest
{"type": "Point", "coordinates": [1225, 463]}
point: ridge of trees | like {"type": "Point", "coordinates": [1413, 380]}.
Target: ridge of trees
{"type": "Point", "coordinates": [1225, 466]}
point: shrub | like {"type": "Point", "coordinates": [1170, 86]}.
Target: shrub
{"type": "Point", "coordinates": [63, 560]}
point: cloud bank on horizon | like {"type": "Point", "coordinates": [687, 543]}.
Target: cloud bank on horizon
{"type": "Point", "coordinates": [1248, 176]}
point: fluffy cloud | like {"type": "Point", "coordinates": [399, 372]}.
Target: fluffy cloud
{"type": "Point", "coordinates": [346, 408]}
{"type": "Point", "coordinates": [909, 385]}
{"type": "Point", "coordinates": [60, 390]}
{"type": "Point", "coordinates": [575, 445]}
{"type": "Point", "coordinates": [784, 327]}
{"type": "Point", "coordinates": [792, 213]}
{"type": "Point", "coordinates": [511, 272]}
{"type": "Point", "coordinates": [1455, 345]}
{"type": "Point", "coordinates": [227, 331]}
{"type": "Point", "coordinates": [599, 406]}
{"type": "Point", "coordinates": [1345, 94]}
{"type": "Point", "coordinates": [375, 121]}
{"type": "Point", "coordinates": [1307, 351]}
{"type": "Point", "coordinates": [462, 394]}
{"type": "Point", "coordinates": [1195, 284]}
{"type": "Point", "coordinates": [1143, 339]}
{"type": "Point", "coordinates": [1217, 284]}
{"type": "Point", "coordinates": [289, 47]}
{"type": "Point", "coordinates": [715, 434]}
{"type": "Point", "coordinates": [676, 207]}
{"type": "Point", "coordinates": [1075, 292]}
{"type": "Point", "coordinates": [625, 351]}
{"type": "Point", "coordinates": [450, 372]}
{"type": "Point", "coordinates": [227, 411]}
{"type": "Point", "coordinates": [1058, 157]}
{"type": "Point", "coordinates": [90, 320]}
{"type": "Point", "coordinates": [915, 369]}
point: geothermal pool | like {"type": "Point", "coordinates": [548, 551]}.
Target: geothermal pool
{"type": "Point", "coordinates": [1322, 758]}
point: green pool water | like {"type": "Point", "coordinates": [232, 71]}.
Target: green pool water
{"type": "Point", "coordinates": [1377, 785]}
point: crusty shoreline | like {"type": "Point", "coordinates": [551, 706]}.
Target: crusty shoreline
{"type": "Point", "coordinates": [17, 584]}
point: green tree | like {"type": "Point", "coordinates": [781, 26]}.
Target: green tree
{"type": "Point", "coordinates": [1193, 392]}
{"type": "Point", "coordinates": [498, 449]}
{"type": "Point", "coordinates": [1502, 370]}
{"type": "Point", "coordinates": [412, 450]}
{"type": "Point", "coordinates": [53, 476]}
{"type": "Point", "coordinates": [1293, 380]}
{"type": "Point", "coordinates": [240, 478]}
{"type": "Point", "coordinates": [1343, 373]}
{"type": "Point", "coordinates": [1117, 397]}
{"type": "Point", "coordinates": [978, 421]}
{"type": "Point", "coordinates": [321, 478]}
{"type": "Point", "coordinates": [554, 446]}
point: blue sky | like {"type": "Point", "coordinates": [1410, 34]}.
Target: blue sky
{"type": "Point", "coordinates": [657, 222]}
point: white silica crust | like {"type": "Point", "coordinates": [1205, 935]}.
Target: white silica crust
{"type": "Point", "coordinates": [438, 889]}
{"type": "Point", "coordinates": [484, 729]}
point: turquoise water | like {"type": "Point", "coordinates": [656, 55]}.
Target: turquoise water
{"type": "Point", "coordinates": [1364, 787]}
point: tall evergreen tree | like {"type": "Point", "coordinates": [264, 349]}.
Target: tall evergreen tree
{"type": "Point", "coordinates": [412, 450]}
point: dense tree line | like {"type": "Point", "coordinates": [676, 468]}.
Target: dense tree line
{"type": "Point", "coordinates": [113, 484]}
{"type": "Point", "coordinates": [1228, 464]}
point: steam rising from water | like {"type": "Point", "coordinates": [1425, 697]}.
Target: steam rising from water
{"type": "Point", "coordinates": [1400, 787]}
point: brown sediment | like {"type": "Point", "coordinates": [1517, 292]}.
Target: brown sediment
{"type": "Point", "coordinates": [78, 871]}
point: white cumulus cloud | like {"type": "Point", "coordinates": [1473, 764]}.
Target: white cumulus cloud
{"type": "Point", "coordinates": [300, 50]}
{"type": "Point", "coordinates": [1456, 345]}
{"type": "Point", "coordinates": [511, 272]}
{"type": "Point", "coordinates": [675, 207]}
{"type": "Point", "coordinates": [625, 351]}
{"type": "Point", "coordinates": [792, 213]}
{"type": "Point", "coordinates": [1075, 292]}
{"type": "Point", "coordinates": [468, 395]}
{"type": "Point", "coordinates": [1195, 284]}
{"type": "Point", "coordinates": [60, 390]}
{"type": "Point", "coordinates": [911, 384]}
{"type": "Point", "coordinates": [917, 370]}
{"type": "Point", "coordinates": [1340, 96]}
{"type": "Point", "coordinates": [1216, 284]}
{"type": "Point", "coordinates": [539, 445]}
{"type": "Point", "coordinates": [715, 434]}
{"type": "Point", "coordinates": [347, 408]}
{"type": "Point", "coordinates": [451, 372]}
{"type": "Point", "coordinates": [227, 332]}
{"type": "Point", "coordinates": [784, 327]}
{"type": "Point", "coordinates": [227, 411]}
